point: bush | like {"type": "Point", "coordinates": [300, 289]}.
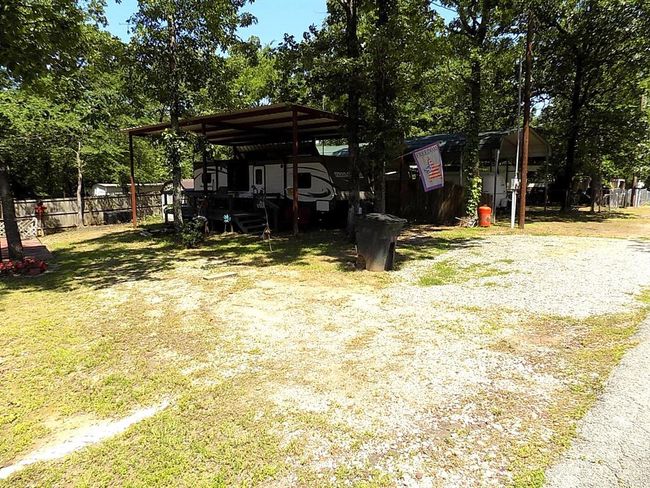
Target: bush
{"type": "Point", "coordinates": [193, 232]}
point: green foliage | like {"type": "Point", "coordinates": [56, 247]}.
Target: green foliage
{"type": "Point", "coordinates": [175, 49]}
{"type": "Point", "coordinates": [253, 72]}
{"type": "Point", "coordinates": [473, 190]}
{"type": "Point", "coordinates": [193, 232]}
{"type": "Point", "coordinates": [592, 60]}
{"type": "Point", "coordinates": [38, 36]}
{"type": "Point", "coordinates": [69, 121]}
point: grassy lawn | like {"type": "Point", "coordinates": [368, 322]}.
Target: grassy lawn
{"type": "Point", "coordinates": [287, 367]}
{"type": "Point", "coordinates": [628, 223]}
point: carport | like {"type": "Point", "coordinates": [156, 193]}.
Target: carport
{"type": "Point", "coordinates": [272, 124]}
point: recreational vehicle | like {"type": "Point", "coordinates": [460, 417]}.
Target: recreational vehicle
{"type": "Point", "coordinates": [258, 184]}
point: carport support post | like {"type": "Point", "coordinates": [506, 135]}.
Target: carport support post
{"type": "Point", "coordinates": [134, 202]}
{"type": "Point", "coordinates": [295, 173]}
{"type": "Point", "coordinates": [205, 162]}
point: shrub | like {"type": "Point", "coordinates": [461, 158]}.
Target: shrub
{"type": "Point", "coordinates": [193, 232]}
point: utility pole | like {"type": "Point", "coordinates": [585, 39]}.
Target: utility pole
{"type": "Point", "coordinates": [526, 137]}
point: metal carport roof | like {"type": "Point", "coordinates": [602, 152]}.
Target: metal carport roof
{"type": "Point", "coordinates": [259, 125]}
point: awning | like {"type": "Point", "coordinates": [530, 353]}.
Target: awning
{"type": "Point", "coordinates": [269, 124]}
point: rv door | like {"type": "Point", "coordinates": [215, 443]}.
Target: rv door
{"type": "Point", "coordinates": [259, 178]}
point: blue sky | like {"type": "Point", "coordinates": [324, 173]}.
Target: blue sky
{"type": "Point", "coordinates": [274, 17]}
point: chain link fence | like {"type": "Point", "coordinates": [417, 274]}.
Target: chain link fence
{"type": "Point", "coordinates": [620, 198]}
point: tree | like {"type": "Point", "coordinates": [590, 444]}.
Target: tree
{"type": "Point", "coordinates": [176, 46]}
{"type": "Point", "coordinates": [591, 53]}
{"type": "Point", "coordinates": [477, 34]}
{"type": "Point", "coordinates": [37, 36]}
{"type": "Point", "coordinates": [386, 136]}
{"type": "Point", "coordinates": [350, 57]}
{"type": "Point", "coordinates": [388, 64]}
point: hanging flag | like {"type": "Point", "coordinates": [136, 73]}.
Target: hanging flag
{"type": "Point", "coordinates": [429, 163]}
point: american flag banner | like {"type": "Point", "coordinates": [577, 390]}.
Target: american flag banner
{"type": "Point", "coordinates": [429, 163]}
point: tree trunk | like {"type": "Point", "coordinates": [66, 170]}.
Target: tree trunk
{"type": "Point", "coordinates": [473, 174]}
{"type": "Point", "coordinates": [354, 111]}
{"type": "Point", "coordinates": [12, 233]}
{"type": "Point", "coordinates": [385, 94]}
{"type": "Point", "coordinates": [173, 149]}
{"type": "Point", "coordinates": [80, 202]}
{"type": "Point", "coordinates": [633, 193]}
{"type": "Point", "coordinates": [572, 136]}
{"type": "Point", "coordinates": [523, 190]}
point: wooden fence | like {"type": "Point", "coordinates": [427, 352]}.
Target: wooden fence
{"type": "Point", "coordinates": [63, 213]}
{"type": "Point", "coordinates": [436, 207]}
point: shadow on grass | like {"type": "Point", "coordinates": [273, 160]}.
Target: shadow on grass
{"type": "Point", "coordinates": [127, 255]}
{"type": "Point", "coordinates": [329, 246]}
{"type": "Point", "coordinates": [426, 242]}
{"type": "Point", "coordinates": [576, 216]}
{"type": "Point", "coordinates": [102, 262]}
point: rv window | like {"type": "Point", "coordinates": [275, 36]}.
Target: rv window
{"type": "Point", "coordinates": [259, 176]}
{"type": "Point", "coordinates": [304, 180]}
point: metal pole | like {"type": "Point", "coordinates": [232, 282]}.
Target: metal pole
{"type": "Point", "coordinates": [295, 173]}
{"type": "Point", "coordinates": [526, 137]}
{"type": "Point", "coordinates": [134, 202]}
{"type": "Point", "coordinates": [507, 174]}
{"type": "Point", "coordinates": [513, 210]}
{"type": "Point", "coordinates": [546, 184]}
{"type": "Point", "coordinates": [494, 196]}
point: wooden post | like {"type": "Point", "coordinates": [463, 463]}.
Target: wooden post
{"type": "Point", "coordinates": [205, 163]}
{"type": "Point", "coordinates": [403, 184]}
{"type": "Point", "coordinates": [296, 208]}
{"type": "Point", "coordinates": [134, 201]}
{"type": "Point", "coordinates": [526, 138]}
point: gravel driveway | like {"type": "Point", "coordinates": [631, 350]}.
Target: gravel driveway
{"type": "Point", "coordinates": [613, 444]}
{"type": "Point", "coordinates": [449, 379]}
{"type": "Point", "coordinates": [567, 276]}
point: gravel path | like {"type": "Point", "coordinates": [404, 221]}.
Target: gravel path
{"type": "Point", "coordinates": [613, 444]}
{"type": "Point", "coordinates": [565, 276]}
